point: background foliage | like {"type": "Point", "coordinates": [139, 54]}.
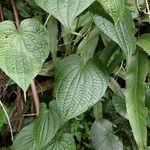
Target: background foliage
{"type": "Point", "coordinates": [87, 62]}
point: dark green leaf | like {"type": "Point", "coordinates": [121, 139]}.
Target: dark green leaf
{"type": "Point", "coordinates": [121, 33]}
{"type": "Point", "coordinates": [144, 42]}
{"type": "Point", "coordinates": [135, 97]}
{"type": "Point", "coordinates": [46, 126]}
{"type": "Point", "coordinates": [24, 140]}
{"type": "Point", "coordinates": [62, 142]}
{"type": "Point", "coordinates": [78, 86]}
{"type": "Point", "coordinates": [114, 8]}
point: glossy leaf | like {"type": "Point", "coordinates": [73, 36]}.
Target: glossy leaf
{"type": "Point", "coordinates": [114, 8]}
{"type": "Point", "coordinates": [135, 97]}
{"type": "Point", "coordinates": [64, 10]}
{"type": "Point", "coordinates": [144, 42]}
{"type": "Point", "coordinates": [23, 52]}
{"type": "Point", "coordinates": [121, 33]}
{"type": "Point", "coordinates": [24, 140]}
{"type": "Point", "coordinates": [63, 142]}
{"type": "Point", "coordinates": [103, 138]}
{"type": "Point", "coordinates": [46, 126]}
{"type": "Point", "coordinates": [78, 86]}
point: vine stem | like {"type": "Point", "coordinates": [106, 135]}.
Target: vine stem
{"type": "Point", "coordinates": [35, 97]}
{"type": "Point", "coordinates": [8, 120]}
{"type": "Point", "coordinates": [148, 10]}
{"type": "Point", "coordinates": [47, 20]}
{"type": "Point", "coordinates": [33, 86]}
{"type": "Point", "coordinates": [15, 13]}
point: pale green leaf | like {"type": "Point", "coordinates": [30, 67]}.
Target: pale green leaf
{"type": "Point", "coordinates": [115, 8]}
{"type": "Point", "coordinates": [121, 33]}
{"type": "Point", "coordinates": [78, 86]}
{"type": "Point", "coordinates": [24, 140]}
{"type": "Point", "coordinates": [62, 142]}
{"type": "Point", "coordinates": [46, 126]}
{"type": "Point", "coordinates": [135, 97]}
{"type": "Point", "coordinates": [144, 42]}
{"type": "Point", "coordinates": [64, 10]}
{"type": "Point", "coordinates": [23, 52]}
{"type": "Point", "coordinates": [103, 138]}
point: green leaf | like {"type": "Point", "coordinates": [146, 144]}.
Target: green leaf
{"type": "Point", "coordinates": [46, 126]}
{"type": "Point", "coordinates": [119, 103]}
{"type": "Point", "coordinates": [144, 42]}
{"type": "Point", "coordinates": [2, 117]}
{"type": "Point", "coordinates": [147, 99]}
{"type": "Point", "coordinates": [103, 138]}
{"type": "Point", "coordinates": [88, 45]}
{"type": "Point", "coordinates": [121, 33]}
{"type": "Point", "coordinates": [23, 52]}
{"type": "Point", "coordinates": [64, 10]}
{"type": "Point", "coordinates": [114, 8]}
{"type": "Point", "coordinates": [134, 7]}
{"type": "Point", "coordinates": [62, 142]}
{"type": "Point", "coordinates": [135, 97]}
{"type": "Point", "coordinates": [53, 36]}
{"type": "Point", "coordinates": [24, 140]}
{"type": "Point", "coordinates": [78, 86]}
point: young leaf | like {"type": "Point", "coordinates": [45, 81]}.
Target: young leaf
{"type": "Point", "coordinates": [144, 42]}
{"type": "Point", "coordinates": [121, 33]}
{"type": "Point", "coordinates": [78, 86]}
{"type": "Point", "coordinates": [63, 142]}
{"type": "Point", "coordinates": [135, 97]}
{"type": "Point", "coordinates": [114, 8]}
{"type": "Point", "coordinates": [23, 52]}
{"type": "Point", "coordinates": [24, 140]}
{"type": "Point", "coordinates": [64, 10]}
{"type": "Point", "coordinates": [103, 138]}
{"type": "Point", "coordinates": [46, 126]}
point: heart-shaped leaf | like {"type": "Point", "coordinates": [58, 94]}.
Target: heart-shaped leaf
{"type": "Point", "coordinates": [64, 10]}
{"type": "Point", "coordinates": [121, 32]}
{"type": "Point", "coordinates": [63, 142]}
{"type": "Point", "coordinates": [24, 140]}
{"type": "Point", "coordinates": [23, 52]}
{"type": "Point", "coordinates": [78, 86]}
{"type": "Point", "coordinates": [103, 138]}
{"type": "Point", "coordinates": [46, 126]}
